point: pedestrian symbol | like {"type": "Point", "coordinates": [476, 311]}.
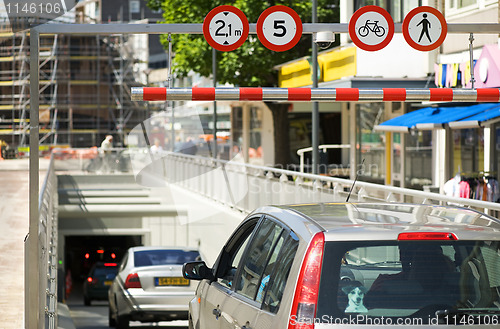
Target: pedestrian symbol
{"type": "Point", "coordinates": [424, 28]}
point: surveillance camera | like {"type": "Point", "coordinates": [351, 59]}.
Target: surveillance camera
{"type": "Point", "coordinates": [324, 39]}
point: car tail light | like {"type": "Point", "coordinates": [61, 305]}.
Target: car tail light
{"type": "Point", "coordinates": [427, 236]}
{"type": "Point", "coordinates": [133, 281]}
{"type": "Point", "coordinates": [91, 280]}
{"type": "Point", "coordinates": [307, 289]}
{"type": "Point", "coordinates": [110, 264]}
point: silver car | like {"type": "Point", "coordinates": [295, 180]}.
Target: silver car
{"type": "Point", "coordinates": [323, 265]}
{"type": "Point", "coordinates": [149, 286]}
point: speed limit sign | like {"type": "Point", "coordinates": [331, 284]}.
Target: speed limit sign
{"type": "Point", "coordinates": [225, 28]}
{"type": "Point", "coordinates": [279, 28]}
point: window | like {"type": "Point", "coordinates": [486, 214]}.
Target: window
{"type": "Point", "coordinates": [227, 279]}
{"type": "Point", "coordinates": [135, 6]}
{"type": "Point", "coordinates": [232, 253]}
{"type": "Point", "coordinates": [164, 257]}
{"type": "Point", "coordinates": [410, 280]}
{"type": "Point", "coordinates": [280, 277]}
{"type": "Point", "coordinates": [259, 252]}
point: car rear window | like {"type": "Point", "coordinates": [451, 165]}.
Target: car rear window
{"type": "Point", "coordinates": [164, 257]}
{"type": "Point", "coordinates": [409, 282]}
{"type": "Point", "coordinates": [104, 271]}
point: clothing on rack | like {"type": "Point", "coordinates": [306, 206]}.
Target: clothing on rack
{"type": "Point", "coordinates": [479, 187]}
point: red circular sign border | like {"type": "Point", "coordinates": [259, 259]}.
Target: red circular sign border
{"type": "Point", "coordinates": [352, 28]}
{"type": "Point", "coordinates": [406, 23]}
{"type": "Point", "coordinates": [206, 27]}
{"type": "Point", "coordinates": [295, 17]}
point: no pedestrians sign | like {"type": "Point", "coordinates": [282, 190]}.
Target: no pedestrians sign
{"type": "Point", "coordinates": [424, 28]}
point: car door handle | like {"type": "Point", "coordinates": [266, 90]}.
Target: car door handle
{"type": "Point", "coordinates": [216, 312]}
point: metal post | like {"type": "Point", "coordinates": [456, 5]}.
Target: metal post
{"type": "Point", "coordinates": [32, 282]}
{"type": "Point", "coordinates": [315, 109]}
{"type": "Point", "coordinates": [214, 73]}
{"type": "Point", "coordinates": [471, 54]}
{"type": "Point", "coordinates": [169, 81]}
{"type": "Point", "coordinates": [98, 73]}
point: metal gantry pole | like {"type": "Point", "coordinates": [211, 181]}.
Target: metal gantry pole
{"type": "Point", "coordinates": [214, 70]}
{"type": "Point", "coordinates": [32, 263]}
{"type": "Point", "coordinates": [315, 105]}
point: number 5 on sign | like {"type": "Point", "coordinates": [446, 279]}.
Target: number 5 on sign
{"type": "Point", "coordinates": [279, 28]}
{"type": "Point", "coordinates": [225, 28]}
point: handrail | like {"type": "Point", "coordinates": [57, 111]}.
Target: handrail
{"type": "Point", "coordinates": [192, 171]}
{"type": "Point", "coordinates": [300, 152]}
{"type": "Point", "coordinates": [46, 273]}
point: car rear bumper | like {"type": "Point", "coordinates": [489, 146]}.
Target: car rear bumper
{"type": "Point", "coordinates": [144, 306]}
{"type": "Point", "coordinates": [155, 316]}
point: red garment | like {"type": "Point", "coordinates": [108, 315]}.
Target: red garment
{"type": "Point", "coordinates": [464, 190]}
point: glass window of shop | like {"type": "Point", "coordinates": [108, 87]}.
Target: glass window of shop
{"type": "Point", "coordinates": [255, 130]}
{"type": "Point", "coordinates": [370, 145]}
{"type": "Point", "coordinates": [418, 171]}
{"type": "Point", "coordinates": [468, 151]}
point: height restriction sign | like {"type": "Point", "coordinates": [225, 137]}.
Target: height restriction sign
{"type": "Point", "coordinates": [424, 28]}
{"type": "Point", "coordinates": [371, 28]}
{"type": "Point", "coordinates": [225, 28]}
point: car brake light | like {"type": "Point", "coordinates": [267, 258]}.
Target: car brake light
{"type": "Point", "coordinates": [109, 264]}
{"type": "Point", "coordinates": [89, 279]}
{"type": "Point", "coordinates": [307, 289]}
{"type": "Point", "coordinates": [427, 236]}
{"type": "Point", "coordinates": [132, 281]}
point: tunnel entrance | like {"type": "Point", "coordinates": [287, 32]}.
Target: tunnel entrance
{"type": "Point", "coordinates": [81, 252]}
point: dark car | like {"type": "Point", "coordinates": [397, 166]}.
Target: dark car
{"type": "Point", "coordinates": [98, 281]}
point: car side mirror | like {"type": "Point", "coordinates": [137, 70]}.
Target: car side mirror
{"type": "Point", "coordinates": [197, 271]}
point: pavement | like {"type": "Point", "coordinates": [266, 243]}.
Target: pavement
{"type": "Point", "coordinates": [14, 223]}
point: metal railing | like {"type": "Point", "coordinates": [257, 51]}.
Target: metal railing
{"type": "Point", "coordinates": [323, 148]}
{"type": "Point", "coordinates": [246, 187]}
{"type": "Point", "coordinates": [47, 250]}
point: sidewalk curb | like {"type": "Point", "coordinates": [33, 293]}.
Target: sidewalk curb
{"type": "Point", "coordinates": [64, 320]}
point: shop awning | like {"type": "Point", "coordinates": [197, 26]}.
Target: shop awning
{"type": "Point", "coordinates": [477, 120]}
{"type": "Point", "coordinates": [436, 117]}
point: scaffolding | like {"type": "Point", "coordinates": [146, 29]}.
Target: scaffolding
{"type": "Point", "coordinates": [85, 84]}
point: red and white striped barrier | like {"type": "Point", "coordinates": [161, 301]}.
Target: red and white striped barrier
{"type": "Point", "coordinates": [316, 94]}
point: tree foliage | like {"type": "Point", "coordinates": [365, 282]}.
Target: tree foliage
{"type": "Point", "coordinates": [251, 64]}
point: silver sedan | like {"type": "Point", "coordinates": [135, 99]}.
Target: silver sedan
{"type": "Point", "coordinates": [149, 286]}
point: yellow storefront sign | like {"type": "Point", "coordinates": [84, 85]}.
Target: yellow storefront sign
{"type": "Point", "coordinates": [338, 64]}
{"type": "Point", "coordinates": [335, 64]}
{"type": "Point", "coordinates": [296, 74]}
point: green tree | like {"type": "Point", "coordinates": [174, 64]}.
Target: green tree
{"type": "Point", "coordinates": [252, 64]}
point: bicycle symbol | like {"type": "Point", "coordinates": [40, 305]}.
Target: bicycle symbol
{"type": "Point", "coordinates": [373, 27]}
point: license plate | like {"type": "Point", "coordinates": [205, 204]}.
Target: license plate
{"type": "Point", "coordinates": [171, 282]}
{"type": "Point", "coordinates": [108, 283]}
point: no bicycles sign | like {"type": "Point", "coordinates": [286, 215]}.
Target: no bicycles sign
{"type": "Point", "coordinates": [371, 28]}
